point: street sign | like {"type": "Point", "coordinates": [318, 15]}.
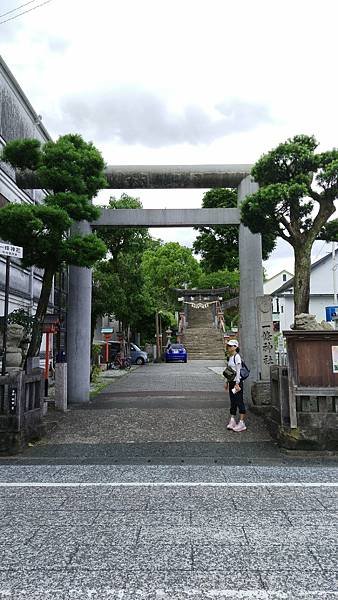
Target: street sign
{"type": "Point", "coordinates": [9, 250]}
{"type": "Point", "coordinates": [107, 330]}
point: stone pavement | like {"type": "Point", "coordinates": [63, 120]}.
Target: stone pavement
{"type": "Point", "coordinates": [157, 413]}
{"type": "Point", "coordinates": [168, 532]}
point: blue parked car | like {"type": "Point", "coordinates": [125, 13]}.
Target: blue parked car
{"type": "Point", "coordinates": [176, 352]}
{"type": "Point", "coordinates": [138, 357]}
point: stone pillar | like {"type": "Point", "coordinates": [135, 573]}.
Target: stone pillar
{"type": "Point", "coordinates": [261, 390]}
{"type": "Point", "coordinates": [251, 286]}
{"type": "Point", "coordinates": [78, 323]}
{"type": "Point", "coordinates": [265, 335]}
{"type": "Point", "coordinates": [61, 386]}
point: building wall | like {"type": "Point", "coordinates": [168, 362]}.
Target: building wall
{"type": "Point", "coordinates": [322, 278]}
{"type": "Point", "coordinates": [316, 307]}
{"type": "Point", "coordinates": [275, 282]}
{"type": "Point", "coordinates": [18, 119]}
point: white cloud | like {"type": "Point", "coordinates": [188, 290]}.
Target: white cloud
{"type": "Point", "coordinates": [272, 63]}
{"type": "Point", "coordinates": [135, 116]}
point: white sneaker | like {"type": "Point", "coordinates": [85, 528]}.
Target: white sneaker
{"type": "Point", "coordinates": [240, 426]}
{"type": "Point", "coordinates": [232, 423]}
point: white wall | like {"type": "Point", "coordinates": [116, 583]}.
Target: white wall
{"type": "Point", "coordinates": [322, 279]}
{"type": "Point", "coordinates": [272, 284]}
{"type": "Point", "coordinates": [316, 307]}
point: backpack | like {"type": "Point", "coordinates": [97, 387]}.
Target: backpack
{"type": "Point", "coordinates": [229, 373]}
{"type": "Point", "coordinates": [245, 371]}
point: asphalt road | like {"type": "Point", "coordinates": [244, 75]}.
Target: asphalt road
{"type": "Point", "coordinates": [168, 532]}
{"type": "Point", "coordinates": [144, 494]}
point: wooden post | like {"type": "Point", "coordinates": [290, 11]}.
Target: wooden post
{"type": "Point", "coordinates": [47, 364]}
{"type": "Point", "coordinates": [292, 380]}
{"type": "Point", "coordinates": [20, 399]}
{"type": "Point", "coordinates": [4, 342]}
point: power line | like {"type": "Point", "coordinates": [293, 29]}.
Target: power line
{"type": "Point", "coordinates": [17, 8]}
{"type": "Point", "coordinates": [25, 11]}
{"type": "Point", "coordinates": [318, 253]}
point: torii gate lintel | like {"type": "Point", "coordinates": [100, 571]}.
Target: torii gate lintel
{"type": "Point", "coordinates": [250, 254]}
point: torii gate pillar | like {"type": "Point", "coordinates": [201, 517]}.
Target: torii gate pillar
{"type": "Point", "coordinates": [79, 328]}
{"type": "Point", "coordinates": [251, 286]}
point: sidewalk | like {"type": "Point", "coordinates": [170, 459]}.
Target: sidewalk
{"type": "Point", "coordinates": [158, 414]}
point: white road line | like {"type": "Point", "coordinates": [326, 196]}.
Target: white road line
{"type": "Point", "coordinates": [170, 594]}
{"type": "Point", "coordinates": [169, 484]}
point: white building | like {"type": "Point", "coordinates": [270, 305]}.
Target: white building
{"type": "Point", "coordinates": [321, 294]}
{"type": "Point", "coordinates": [270, 286]}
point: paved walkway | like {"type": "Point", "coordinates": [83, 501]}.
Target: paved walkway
{"type": "Point", "coordinates": [157, 413]}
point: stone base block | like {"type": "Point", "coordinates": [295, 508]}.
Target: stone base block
{"type": "Point", "coordinates": [311, 440]}
{"type": "Point", "coordinates": [13, 441]}
{"type": "Point", "coordinates": [315, 432]}
{"type": "Point", "coordinates": [261, 393]}
{"type": "Point", "coordinates": [13, 358]}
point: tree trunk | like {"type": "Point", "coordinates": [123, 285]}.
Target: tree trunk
{"type": "Point", "coordinates": [302, 278]}
{"type": "Point", "coordinates": [47, 280]}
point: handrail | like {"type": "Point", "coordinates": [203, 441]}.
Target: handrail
{"type": "Point", "coordinates": [220, 323]}
{"type": "Point", "coordinates": [182, 323]}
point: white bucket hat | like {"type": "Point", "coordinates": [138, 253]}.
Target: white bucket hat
{"type": "Point", "coordinates": [233, 343]}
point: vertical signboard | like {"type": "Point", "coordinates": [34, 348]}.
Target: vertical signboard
{"type": "Point", "coordinates": [265, 335]}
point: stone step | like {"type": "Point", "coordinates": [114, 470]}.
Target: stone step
{"type": "Point", "coordinates": [211, 328]}
{"type": "Point", "coordinates": [201, 339]}
{"type": "Point", "coordinates": [206, 355]}
{"type": "Point", "coordinates": [203, 334]}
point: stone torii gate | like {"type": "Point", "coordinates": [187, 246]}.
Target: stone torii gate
{"type": "Point", "coordinates": [164, 177]}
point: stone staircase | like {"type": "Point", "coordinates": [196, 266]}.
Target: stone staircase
{"type": "Point", "coordinates": [201, 339]}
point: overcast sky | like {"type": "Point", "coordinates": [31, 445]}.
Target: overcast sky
{"type": "Point", "coordinates": [185, 81]}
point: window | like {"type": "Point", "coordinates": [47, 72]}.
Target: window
{"type": "Point", "coordinates": [284, 276]}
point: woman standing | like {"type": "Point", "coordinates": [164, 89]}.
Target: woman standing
{"type": "Point", "coordinates": [235, 387]}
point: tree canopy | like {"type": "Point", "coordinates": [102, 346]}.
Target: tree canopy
{"type": "Point", "coordinates": [218, 245]}
{"type": "Point", "coordinates": [72, 170]}
{"type": "Point", "coordinates": [298, 187]}
{"type": "Point", "coordinates": [118, 283]}
{"type": "Point", "coordinates": [166, 267]}
{"type": "Point", "coordinates": [217, 279]}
